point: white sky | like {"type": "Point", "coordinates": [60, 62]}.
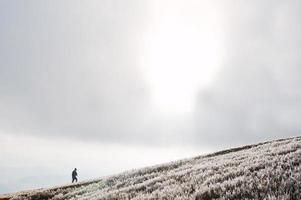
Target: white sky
{"type": "Point", "coordinates": [181, 52]}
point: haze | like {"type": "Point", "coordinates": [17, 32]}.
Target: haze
{"type": "Point", "coordinates": [111, 85]}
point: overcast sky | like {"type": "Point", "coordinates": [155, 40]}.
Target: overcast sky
{"type": "Point", "coordinates": [82, 82]}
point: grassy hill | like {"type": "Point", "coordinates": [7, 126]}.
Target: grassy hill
{"type": "Point", "coordinates": [269, 170]}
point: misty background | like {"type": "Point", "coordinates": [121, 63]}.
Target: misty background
{"type": "Point", "coordinates": [107, 86]}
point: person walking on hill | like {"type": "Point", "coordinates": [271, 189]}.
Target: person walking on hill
{"type": "Point", "coordinates": [74, 175]}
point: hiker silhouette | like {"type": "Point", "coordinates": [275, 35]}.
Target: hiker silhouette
{"type": "Point", "coordinates": [74, 175]}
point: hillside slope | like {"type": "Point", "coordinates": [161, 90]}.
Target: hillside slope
{"type": "Point", "coordinates": [269, 170]}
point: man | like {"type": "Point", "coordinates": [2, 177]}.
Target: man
{"type": "Point", "coordinates": [74, 176]}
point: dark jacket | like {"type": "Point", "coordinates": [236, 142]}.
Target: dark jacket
{"type": "Point", "coordinates": [74, 173]}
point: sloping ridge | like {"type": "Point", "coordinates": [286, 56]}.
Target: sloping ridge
{"type": "Point", "coordinates": [269, 170]}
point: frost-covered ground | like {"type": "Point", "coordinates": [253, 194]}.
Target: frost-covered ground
{"type": "Point", "coordinates": [268, 170]}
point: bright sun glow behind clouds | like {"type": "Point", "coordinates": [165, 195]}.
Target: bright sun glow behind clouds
{"type": "Point", "coordinates": [181, 51]}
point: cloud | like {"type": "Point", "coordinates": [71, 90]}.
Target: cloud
{"type": "Point", "coordinates": [257, 94]}
{"type": "Point", "coordinates": [69, 68]}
